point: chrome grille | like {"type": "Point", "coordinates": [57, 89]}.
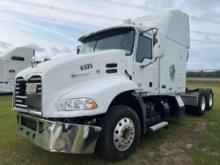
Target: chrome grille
{"type": "Point", "coordinates": [20, 94]}
{"type": "Point", "coordinates": [28, 102]}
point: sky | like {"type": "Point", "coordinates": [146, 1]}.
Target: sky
{"type": "Point", "coordinates": [52, 27]}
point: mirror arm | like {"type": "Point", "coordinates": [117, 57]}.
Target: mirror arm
{"type": "Point", "coordinates": [154, 34]}
{"type": "Point", "coordinates": [143, 66]}
{"type": "Point", "coordinates": [78, 49]}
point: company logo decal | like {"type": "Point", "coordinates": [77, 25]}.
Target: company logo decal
{"type": "Point", "coordinates": [172, 72]}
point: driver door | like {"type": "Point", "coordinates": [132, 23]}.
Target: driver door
{"type": "Point", "coordinates": [144, 66]}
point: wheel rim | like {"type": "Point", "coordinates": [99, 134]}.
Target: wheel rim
{"type": "Point", "coordinates": [203, 103]}
{"type": "Point", "coordinates": [210, 100]}
{"type": "Point", "coordinates": [124, 134]}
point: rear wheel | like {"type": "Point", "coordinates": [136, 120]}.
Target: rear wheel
{"type": "Point", "coordinates": [209, 99]}
{"type": "Point", "coordinates": [201, 108]}
{"type": "Point", "coordinates": [120, 133]}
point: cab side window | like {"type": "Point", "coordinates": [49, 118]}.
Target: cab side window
{"type": "Point", "coordinates": [144, 48]}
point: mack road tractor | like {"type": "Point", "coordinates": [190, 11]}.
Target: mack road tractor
{"type": "Point", "coordinates": [123, 82]}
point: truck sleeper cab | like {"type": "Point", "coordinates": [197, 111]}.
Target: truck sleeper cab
{"type": "Point", "coordinates": [125, 81]}
{"type": "Point", "coordinates": [11, 63]}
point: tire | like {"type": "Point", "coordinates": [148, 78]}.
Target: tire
{"type": "Point", "coordinates": [113, 124]}
{"type": "Point", "coordinates": [209, 99]}
{"type": "Point", "coordinates": [201, 108]}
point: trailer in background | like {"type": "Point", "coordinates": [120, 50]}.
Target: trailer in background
{"type": "Point", "coordinates": [11, 63]}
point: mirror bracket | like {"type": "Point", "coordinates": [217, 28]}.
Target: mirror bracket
{"type": "Point", "coordinates": [155, 59]}
{"type": "Point", "coordinates": [155, 30]}
{"type": "Point", "coordinates": [78, 49]}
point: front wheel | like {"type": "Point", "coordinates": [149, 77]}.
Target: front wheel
{"type": "Point", "coordinates": [120, 133]}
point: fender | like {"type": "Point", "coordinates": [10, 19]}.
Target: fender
{"type": "Point", "coordinates": [102, 91]}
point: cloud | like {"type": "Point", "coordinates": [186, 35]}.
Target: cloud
{"type": "Point", "coordinates": [209, 9]}
{"type": "Point", "coordinates": [36, 47]}
{"type": "Point", "coordinates": [67, 50]}
{"type": "Point", "coordinates": [54, 31]}
{"type": "Point", "coordinates": [194, 52]}
{"type": "Point", "coordinates": [5, 45]}
{"type": "Point", "coordinates": [55, 51]}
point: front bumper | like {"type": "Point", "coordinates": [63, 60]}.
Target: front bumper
{"type": "Point", "coordinates": [58, 136]}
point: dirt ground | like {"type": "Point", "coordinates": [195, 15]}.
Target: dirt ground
{"type": "Point", "coordinates": [172, 150]}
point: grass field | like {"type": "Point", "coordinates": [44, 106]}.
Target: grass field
{"type": "Point", "coordinates": [188, 140]}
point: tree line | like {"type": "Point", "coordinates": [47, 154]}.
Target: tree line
{"type": "Point", "coordinates": [204, 74]}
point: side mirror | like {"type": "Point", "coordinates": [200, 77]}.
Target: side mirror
{"type": "Point", "coordinates": [78, 49]}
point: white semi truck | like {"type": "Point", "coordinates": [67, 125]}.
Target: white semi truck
{"type": "Point", "coordinates": [11, 63]}
{"type": "Point", "coordinates": [124, 81]}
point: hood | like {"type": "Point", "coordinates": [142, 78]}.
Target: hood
{"type": "Point", "coordinates": [84, 75]}
{"type": "Point", "coordinates": [79, 63]}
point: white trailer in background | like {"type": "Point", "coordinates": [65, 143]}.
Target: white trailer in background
{"type": "Point", "coordinates": [11, 63]}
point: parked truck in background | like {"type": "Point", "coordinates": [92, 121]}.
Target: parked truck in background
{"type": "Point", "coordinates": [125, 81]}
{"type": "Point", "coordinates": [11, 63]}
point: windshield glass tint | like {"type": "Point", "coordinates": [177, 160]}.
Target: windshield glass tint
{"type": "Point", "coordinates": [122, 39]}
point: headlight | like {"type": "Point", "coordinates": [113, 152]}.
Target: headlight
{"type": "Point", "coordinates": [77, 104]}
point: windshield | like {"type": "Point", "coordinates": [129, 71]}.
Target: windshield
{"type": "Point", "coordinates": [121, 38]}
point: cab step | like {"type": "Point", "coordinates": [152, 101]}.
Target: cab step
{"type": "Point", "coordinates": [158, 126]}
